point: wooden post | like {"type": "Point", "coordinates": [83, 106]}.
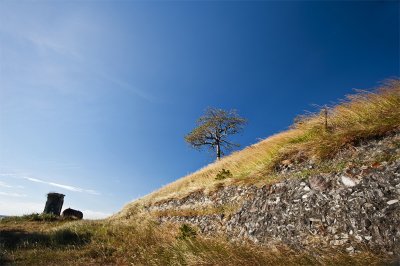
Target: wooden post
{"type": "Point", "coordinates": [326, 117]}
{"type": "Point", "coordinates": [218, 152]}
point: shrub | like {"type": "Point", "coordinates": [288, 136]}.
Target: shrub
{"type": "Point", "coordinates": [46, 217]}
{"type": "Point", "coordinates": [223, 174]}
{"type": "Point", "coordinates": [33, 217]}
{"type": "Point", "coordinates": [186, 231]}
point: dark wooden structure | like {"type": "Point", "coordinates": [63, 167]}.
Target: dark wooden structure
{"type": "Point", "coordinates": [54, 203]}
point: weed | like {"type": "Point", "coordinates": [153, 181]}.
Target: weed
{"type": "Point", "coordinates": [223, 174]}
{"type": "Point", "coordinates": [186, 231]}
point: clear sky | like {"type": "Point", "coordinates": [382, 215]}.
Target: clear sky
{"type": "Point", "coordinates": [96, 96]}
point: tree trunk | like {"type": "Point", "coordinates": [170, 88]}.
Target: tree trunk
{"type": "Point", "coordinates": [218, 151]}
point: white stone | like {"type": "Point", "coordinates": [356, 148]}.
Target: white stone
{"type": "Point", "coordinates": [390, 202]}
{"type": "Point", "coordinates": [338, 242]}
{"type": "Point", "coordinates": [304, 196]}
{"type": "Point", "coordinates": [358, 238]}
{"type": "Point", "coordinates": [307, 188]}
{"type": "Point", "coordinates": [347, 181]}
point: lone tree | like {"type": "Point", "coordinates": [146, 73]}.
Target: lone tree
{"type": "Point", "coordinates": [213, 129]}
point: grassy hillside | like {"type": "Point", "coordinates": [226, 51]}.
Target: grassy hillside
{"type": "Point", "coordinates": [366, 114]}
{"type": "Point", "coordinates": [43, 240]}
{"type": "Point", "coordinates": [26, 241]}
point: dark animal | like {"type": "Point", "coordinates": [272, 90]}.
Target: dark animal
{"type": "Point", "coordinates": [73, 214]}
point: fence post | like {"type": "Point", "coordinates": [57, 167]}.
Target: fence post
{"type": "Point", "coordinates": [326, 117]}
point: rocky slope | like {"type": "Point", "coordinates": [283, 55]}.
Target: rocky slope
{"type": "Point", "coordinates": [351, 202]}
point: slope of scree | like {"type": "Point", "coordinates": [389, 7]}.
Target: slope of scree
{"type": "Point", "coordinates": [351, 203]}
{"type": "Point", "coordinates": [321, 184]}
{"type": "Point", "coordinates": [362, 116]}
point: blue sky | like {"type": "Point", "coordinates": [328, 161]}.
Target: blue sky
{"type": "Point", "coordinates": [96, 96]}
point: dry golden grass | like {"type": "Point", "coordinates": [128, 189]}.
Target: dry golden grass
{"type": "Point", "coordinates": [227, 209]}
{"type": "Point", "coordinates": [361, 116]}
{"type": "Point", "coordinates": [146, 243]}
{"type": "Point", "coordinates": [364, 115]}
{"type": "Point", "coordinates": [139, 241]}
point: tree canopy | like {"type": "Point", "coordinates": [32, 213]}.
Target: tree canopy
{"type": "Point", "coordinates": [214, 128]}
